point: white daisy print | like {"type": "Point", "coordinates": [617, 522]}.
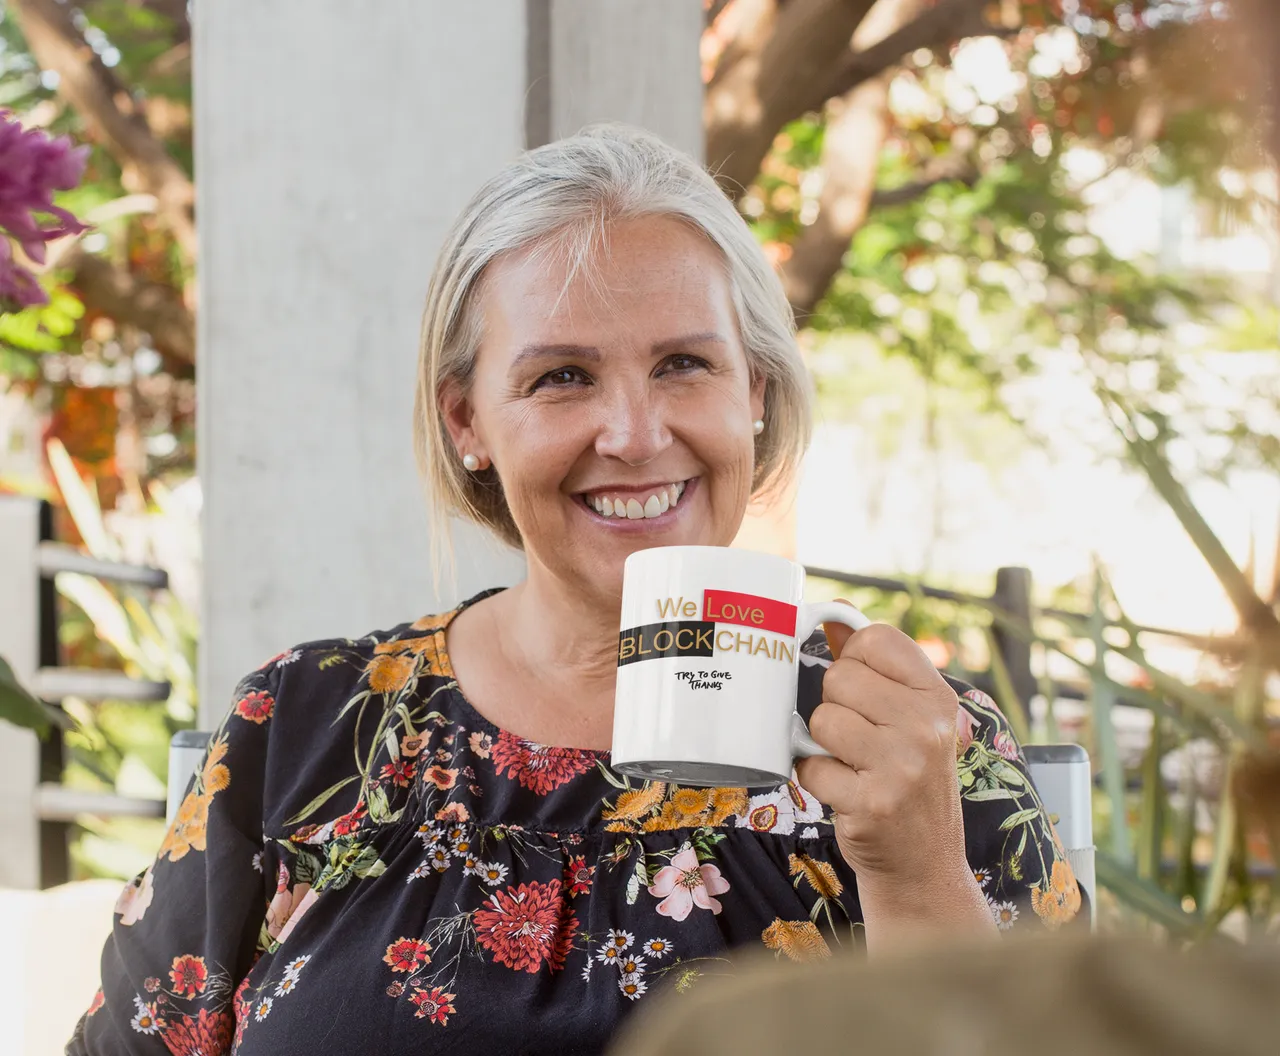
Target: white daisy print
{"type": "Point", "coordinates": [289, 657]}
{"type": "Point", "coordinates": [257, 862]}
{"type": "Point", "coordinates": [439, 858]}
{"type": "Point", "coordinates": [983, 876]}
{"type": "Point", "coordinates": [633, 986]}
{"type": "Point", "coordinates": [492, 873]}
{"type": "Point", "coordinates": [263, 1009]}
{"type": "Point", "coordinates": [810, 833]}
{"type": "Point", "coordinates": [657, 948]}
{"type": "Point", "coordinates": [631, 965]}
{"type": "Point", "coordinates": [145, 1021]}
{"type": "Point", "coordinates": [287, 985]}
{"type": "Point", "coordinates": [294, 968]}
{"type": "Point", "coordinates": [420, 870]}
{"type": "Point", "coordinates": [621, 940]}
{"type": "Point", "coordinates": [609, 954]}
{"type": "Point", "coordinates": [586, 972]}
{"type": "Point", "coordinates": [1005, 913]}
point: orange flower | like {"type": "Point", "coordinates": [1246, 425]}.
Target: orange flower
{"type": "Point", "coordinates": [1060, 901]}
{"type": "Point", "coordinates": [453, 812]}
{"type": "Point", "coordinates": [727, 803]}
{"type": "Point", "coordinates": [407, 955]}
{"type": "Point", "coordinates": [669, 818]}
{"type": "Point", "coordinates": [189, 975]}
{"type": "Point", "coordinates": [188, 830]}
{"type": "Point", "coordinates": [256, 707]}
{"type": "Point", "coordinates": [799, 940]}
{"type": "Point", "coordinates": [691, 802]}
{"type": "Point", "coordinates": [388, 674]}
{"type": "Point", "coordinates": [430, 646]}
{"type": "Point", "coordinates": [440, 777]}
{"type": "Point", "coordinates": [432, 623]}
{"type": "Point", "coordinates": [821, 876]}
{"type": "Point", "coordinates": [636, 803]}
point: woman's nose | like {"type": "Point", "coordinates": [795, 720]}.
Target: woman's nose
{"type": "Point", "coordinates": [634, 430]}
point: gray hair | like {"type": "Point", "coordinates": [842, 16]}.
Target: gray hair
{"type": "Point", "coordinates": [566, 193]}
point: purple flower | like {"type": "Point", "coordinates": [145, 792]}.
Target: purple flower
{"type": "Point", "coordinates": [32, 166]}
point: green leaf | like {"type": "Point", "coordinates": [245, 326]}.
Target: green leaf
{"type": "Point", "coordinates": [321, 800]}
{"type": "Point", "coordinates": [1020, 818]}
{"type": "Point", "coordinates": [984, 795]}
{"type": "Point", "coordinates": [639, 876]}
{"type": "Point", "coordinates": [22, 709]}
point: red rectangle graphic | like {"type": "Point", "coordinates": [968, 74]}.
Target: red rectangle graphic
{"type": "Point", "coordinates": [748, 610]}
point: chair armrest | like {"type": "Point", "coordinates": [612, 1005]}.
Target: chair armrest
{"type": "Point", "coordinates": [186, 749]}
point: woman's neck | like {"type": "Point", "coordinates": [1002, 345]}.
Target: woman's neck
{"type": "Point", "coordinates": [560, 645]}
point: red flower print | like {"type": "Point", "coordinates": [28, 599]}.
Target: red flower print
{"type": "Point", "coordinates": [256, 707]}
{"type": "Point", "coordinates": [349, 822]}
{"type": "Point", "coordinates": [188, 974]}
{"type": "Point", "coordinates": [526, 925]}
{"type": "Point", "coordinates": [99, 999]}
{"type": "Point", "coordinates": [242, 1008]}
{"type": "Point", "coordinates": [433, 1005]}
{"type": "Point", "coordinates": [407, 955]}
{"type": "Point", "coordinates": [400, 773]}
{"type": "Point", "coordinates": [536, 766]}
{"type": "Point", "coordinates": [199, 1035]}
{"type": "Point", "coordinates": [395, 989]}
{"type": "Point", "coordinates": [151, 984]}
{"type": "Point", "coordinates": [577, 876]}
{"type": "Point", "coordinates": [440, 777]}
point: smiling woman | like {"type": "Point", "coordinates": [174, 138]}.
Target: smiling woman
{"type": "Point", "coordinates": [421, 829]}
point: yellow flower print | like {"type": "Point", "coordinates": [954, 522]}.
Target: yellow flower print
{"type": "Point", "coordinates": [691, 802]}
{"type": "Point", "coordinates": [727, 803]}
{"type": "Point", "coordinates": [192, 820]}
{"type": "Point", "coordinates": [389, 673]}
{"type": "Point", "coordinates": [636, 803]}
{"type": "Point", "coordinates": [669, 818]}
{"type": "Point", "coordinates": [1059, 902]}
{"type": "Point", "coordinates": [798, 940]}
{"type": "Point", "coordinates": [821, 875]}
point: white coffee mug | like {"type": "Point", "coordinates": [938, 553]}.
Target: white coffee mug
{"type": "Point", "coordinates": [708, 665]}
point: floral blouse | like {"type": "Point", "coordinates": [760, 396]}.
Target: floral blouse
{"type": "Point", "coordinates": [363, 863]}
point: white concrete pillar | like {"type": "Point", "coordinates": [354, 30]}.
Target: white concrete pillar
{"type": "Point", "coordinates": [336, 140]}
{"type": "Point", "coordinates": [20, 646]}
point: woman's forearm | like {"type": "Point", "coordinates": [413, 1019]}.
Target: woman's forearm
{"type": "Point", "coordinates": [949, 904]}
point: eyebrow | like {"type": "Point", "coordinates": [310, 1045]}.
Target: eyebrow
{"type": "Point", "coordinates": [667, 346]}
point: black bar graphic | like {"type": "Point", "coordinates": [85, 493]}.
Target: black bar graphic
{"type": "Point", "coordinates": [674, 638]}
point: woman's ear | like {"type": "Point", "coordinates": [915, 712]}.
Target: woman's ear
{"type": "Point", "coordinates": [459, 419]}
{"type": "Point", "coordinates": [758, 385]}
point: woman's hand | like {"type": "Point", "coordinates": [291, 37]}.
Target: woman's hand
{"type": "Point", "coordinates": [888, 718]}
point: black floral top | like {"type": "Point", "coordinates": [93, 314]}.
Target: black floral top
{"type": "Point", "coordinates": [364, 864]}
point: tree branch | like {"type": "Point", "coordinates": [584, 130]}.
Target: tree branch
{"type": "Point", "coordinates": [778, 60]}
{"type": "Point", "coordinates": [175, 11]}
{"type": "Point", "coordinates": [110, 113]}
{"type": "Point", "coordinates": [949, 20]}
{"type": "Point", "coordinates": [129, 298]}
{"type": "Point", "coordinates": [958, 171]}
{"type": "Point", "coordinates": [856, 129]}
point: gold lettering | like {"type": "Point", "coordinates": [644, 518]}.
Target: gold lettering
{"type": "Point", "coordinates": [783, 647]}
{"type": "Point", "coordinates": [720, 642]}
{"type": "Point", "coordinates": [669, 607]}
{"type": "Point", "coordinates": [641, 650]}
{"type": "Point", "coordinates": [757, 616]}
{"type": "Point", "coordinates": [683, 643]}
{"type": "Point", "coordinates": [762, 646]}
{"type": "Point", "coordinates": [691, 608]}
{"type": "Point", "coordinates": [657, 640]}
{"type": "Point", "coordinates": [626, 648]}
{"type": "Point", "coordinates": [703, 640]}
{"type": "Point", "coordinates": [744, 640]}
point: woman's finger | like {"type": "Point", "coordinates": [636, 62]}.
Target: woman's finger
{"type": "Point", "coordinates": [852, 684]}
{"type": "Point", "coordinates": [887, 650]}
{"type": "Point", "coordinates": [834, 783]}
{"type": "Point", "coordinates": [852, 738]}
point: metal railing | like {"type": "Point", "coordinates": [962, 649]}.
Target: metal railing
{"type": "Point", "coordinates": [36, 809]}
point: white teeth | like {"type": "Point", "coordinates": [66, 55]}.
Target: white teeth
{"type": "Point", "coordinates": [654, 505]}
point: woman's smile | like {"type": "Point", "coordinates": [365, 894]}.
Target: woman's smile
{"type": "Point", "coordinates": [647, 507]}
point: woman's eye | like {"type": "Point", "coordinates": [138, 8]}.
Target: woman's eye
{"type": "Point", "coordinates": [560, 378]}
{"type": "Point", "coordinates": [682, 364]}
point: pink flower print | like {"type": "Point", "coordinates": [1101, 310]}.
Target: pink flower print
{"type": "Point", "coordinates": [684, 884]}
{"type": "Point", "coordinates": [966, 727]}
{"type": "Point", "coordinates": [1006, 746]}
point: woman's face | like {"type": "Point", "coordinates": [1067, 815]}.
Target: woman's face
{"type": "Point", "coordinates": [617, 407]}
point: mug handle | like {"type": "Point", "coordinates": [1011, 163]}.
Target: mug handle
{"type": "Point", "coordinates": [802, 744]}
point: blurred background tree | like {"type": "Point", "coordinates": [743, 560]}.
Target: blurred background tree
{"type": "Point", "coordinates": [926, 175]}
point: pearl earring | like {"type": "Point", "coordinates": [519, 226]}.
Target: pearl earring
{"type": "Point", "coordinates": [470, 462]}
{"type": "Point", "coordinates": [757, 426]}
